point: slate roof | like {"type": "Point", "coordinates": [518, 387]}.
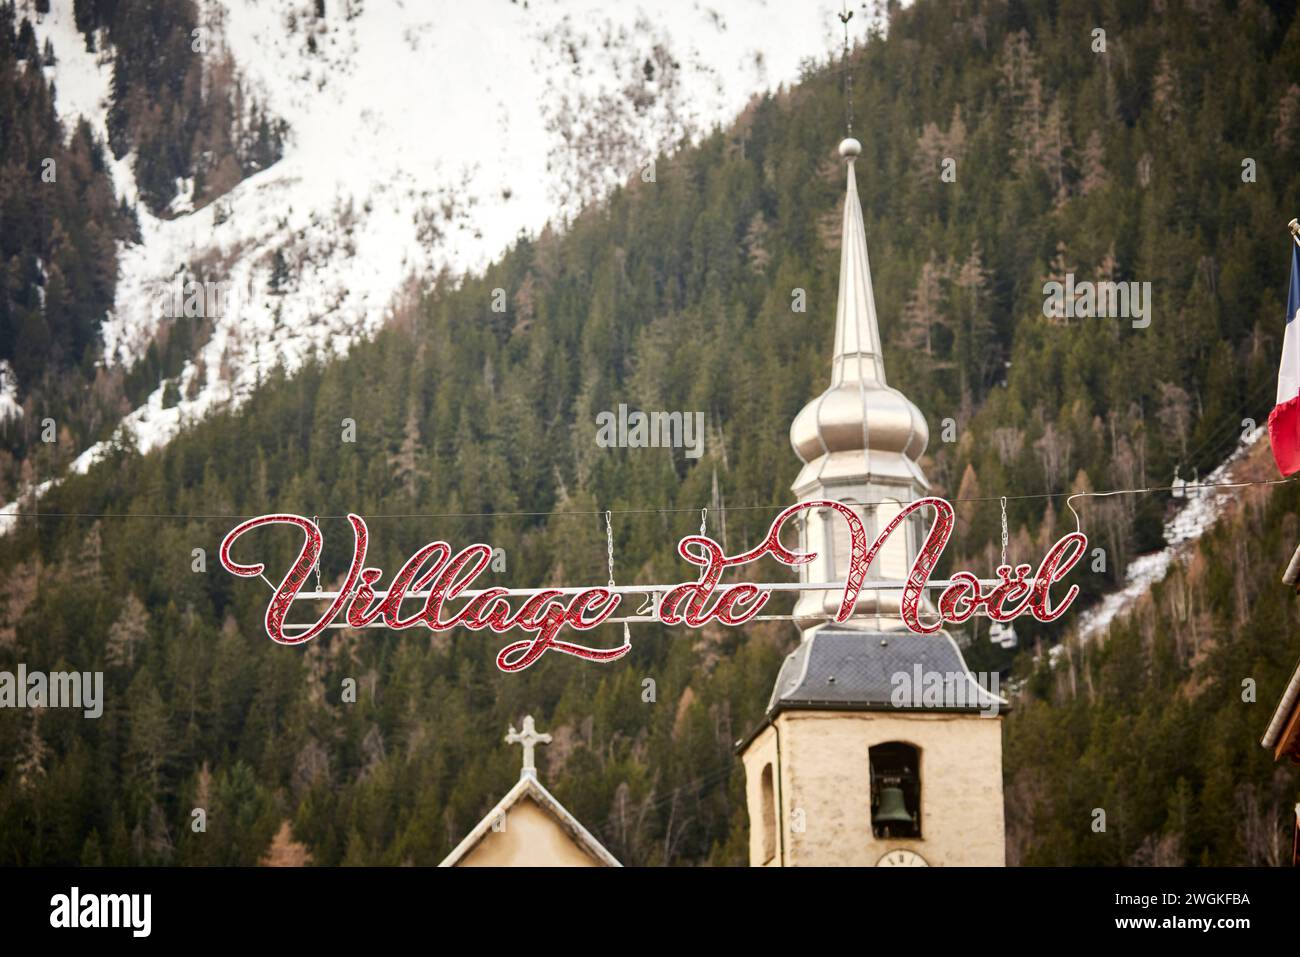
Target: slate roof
{"type": "Point", "coordinates": [837, 668]}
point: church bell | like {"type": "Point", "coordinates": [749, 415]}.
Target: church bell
{"type": "Point", "coordinates": [892, 812]}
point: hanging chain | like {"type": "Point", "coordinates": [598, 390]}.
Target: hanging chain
{"type": "Point", "coordinates": [1004, 529]}
{"type": "Point", "coordinates": [704, 522]}
{"type": "Point", "coordinates": [609, 546]}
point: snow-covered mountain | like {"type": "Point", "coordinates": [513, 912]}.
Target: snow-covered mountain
{"type": "Point", "coordinates": [422, 136]}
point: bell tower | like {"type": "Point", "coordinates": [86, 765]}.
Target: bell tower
{"type": "Point", "coordinates": [878, 746]}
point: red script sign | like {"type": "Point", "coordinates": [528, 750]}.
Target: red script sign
{"type": "Point", "coordinates": [544, 613]}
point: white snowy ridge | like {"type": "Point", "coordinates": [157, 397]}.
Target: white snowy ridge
{"type": "Point", "coordinates": [1203, 509]}
{"type": "Point", "coordinates": [421, 136]}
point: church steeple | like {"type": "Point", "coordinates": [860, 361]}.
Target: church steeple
{"type": "Point", "coordinates": [843, 770]}
{"type": "Point", "coordinates": [860, 440]}
{"type": "Point", "coordinates": [859, 412]}
{"type": "Point", "coordinates": [857, 332]}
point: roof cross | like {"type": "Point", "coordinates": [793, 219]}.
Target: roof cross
{"type": "Point", "coordinates": [529, 738]}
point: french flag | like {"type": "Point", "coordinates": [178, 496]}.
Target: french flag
{"type": "Point", "coordinates": [1284, 420]}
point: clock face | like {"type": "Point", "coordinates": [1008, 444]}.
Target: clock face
{"type": "Point", "coordinates": [901, 858]}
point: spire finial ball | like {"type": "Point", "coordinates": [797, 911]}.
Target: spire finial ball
{"type": "Point", "coordinates": [850, 148]}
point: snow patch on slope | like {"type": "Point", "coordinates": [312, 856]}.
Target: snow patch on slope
{"type": "Point", "coordinates": [1198, 516]}
{"type": "Point", "coordinates": [422, 137]}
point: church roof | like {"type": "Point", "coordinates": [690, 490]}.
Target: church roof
{"type": "Point", "coordinates": [530, 787]}
{"type": "Point", "coordinates": [837, 669]}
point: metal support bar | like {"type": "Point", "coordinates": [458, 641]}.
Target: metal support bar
{"type": "Point", "coordinates": [654, 592]}
{"type": "Point", "coordinates": [868, 585]}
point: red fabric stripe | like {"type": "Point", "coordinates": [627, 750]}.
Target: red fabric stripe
{"type": "Point", "coordinates": [1284, 435]}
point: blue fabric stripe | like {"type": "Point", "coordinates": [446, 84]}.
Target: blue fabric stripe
{"type": "Point", "coordinates": [1293, 295]}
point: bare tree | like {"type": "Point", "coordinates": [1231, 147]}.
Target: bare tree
{"type": "Point", "coordinates": [1008, 442]}
{"type": "Point", "coordinates": [923, 311]}
{"type": "Point", "coordinates": [1164, 90]}
{"type": "Point", "coordinates": [1054, 450]}
{"type": "Point", "coordinates": [1093, 175]}
{"type": "Point", "coordinates": [1175, 413]}
{"type": "Point", "coordinates": [129, 631]}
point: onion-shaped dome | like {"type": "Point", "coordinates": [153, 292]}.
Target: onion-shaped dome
{"type": "Point", "coordinates": [854, 416]}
